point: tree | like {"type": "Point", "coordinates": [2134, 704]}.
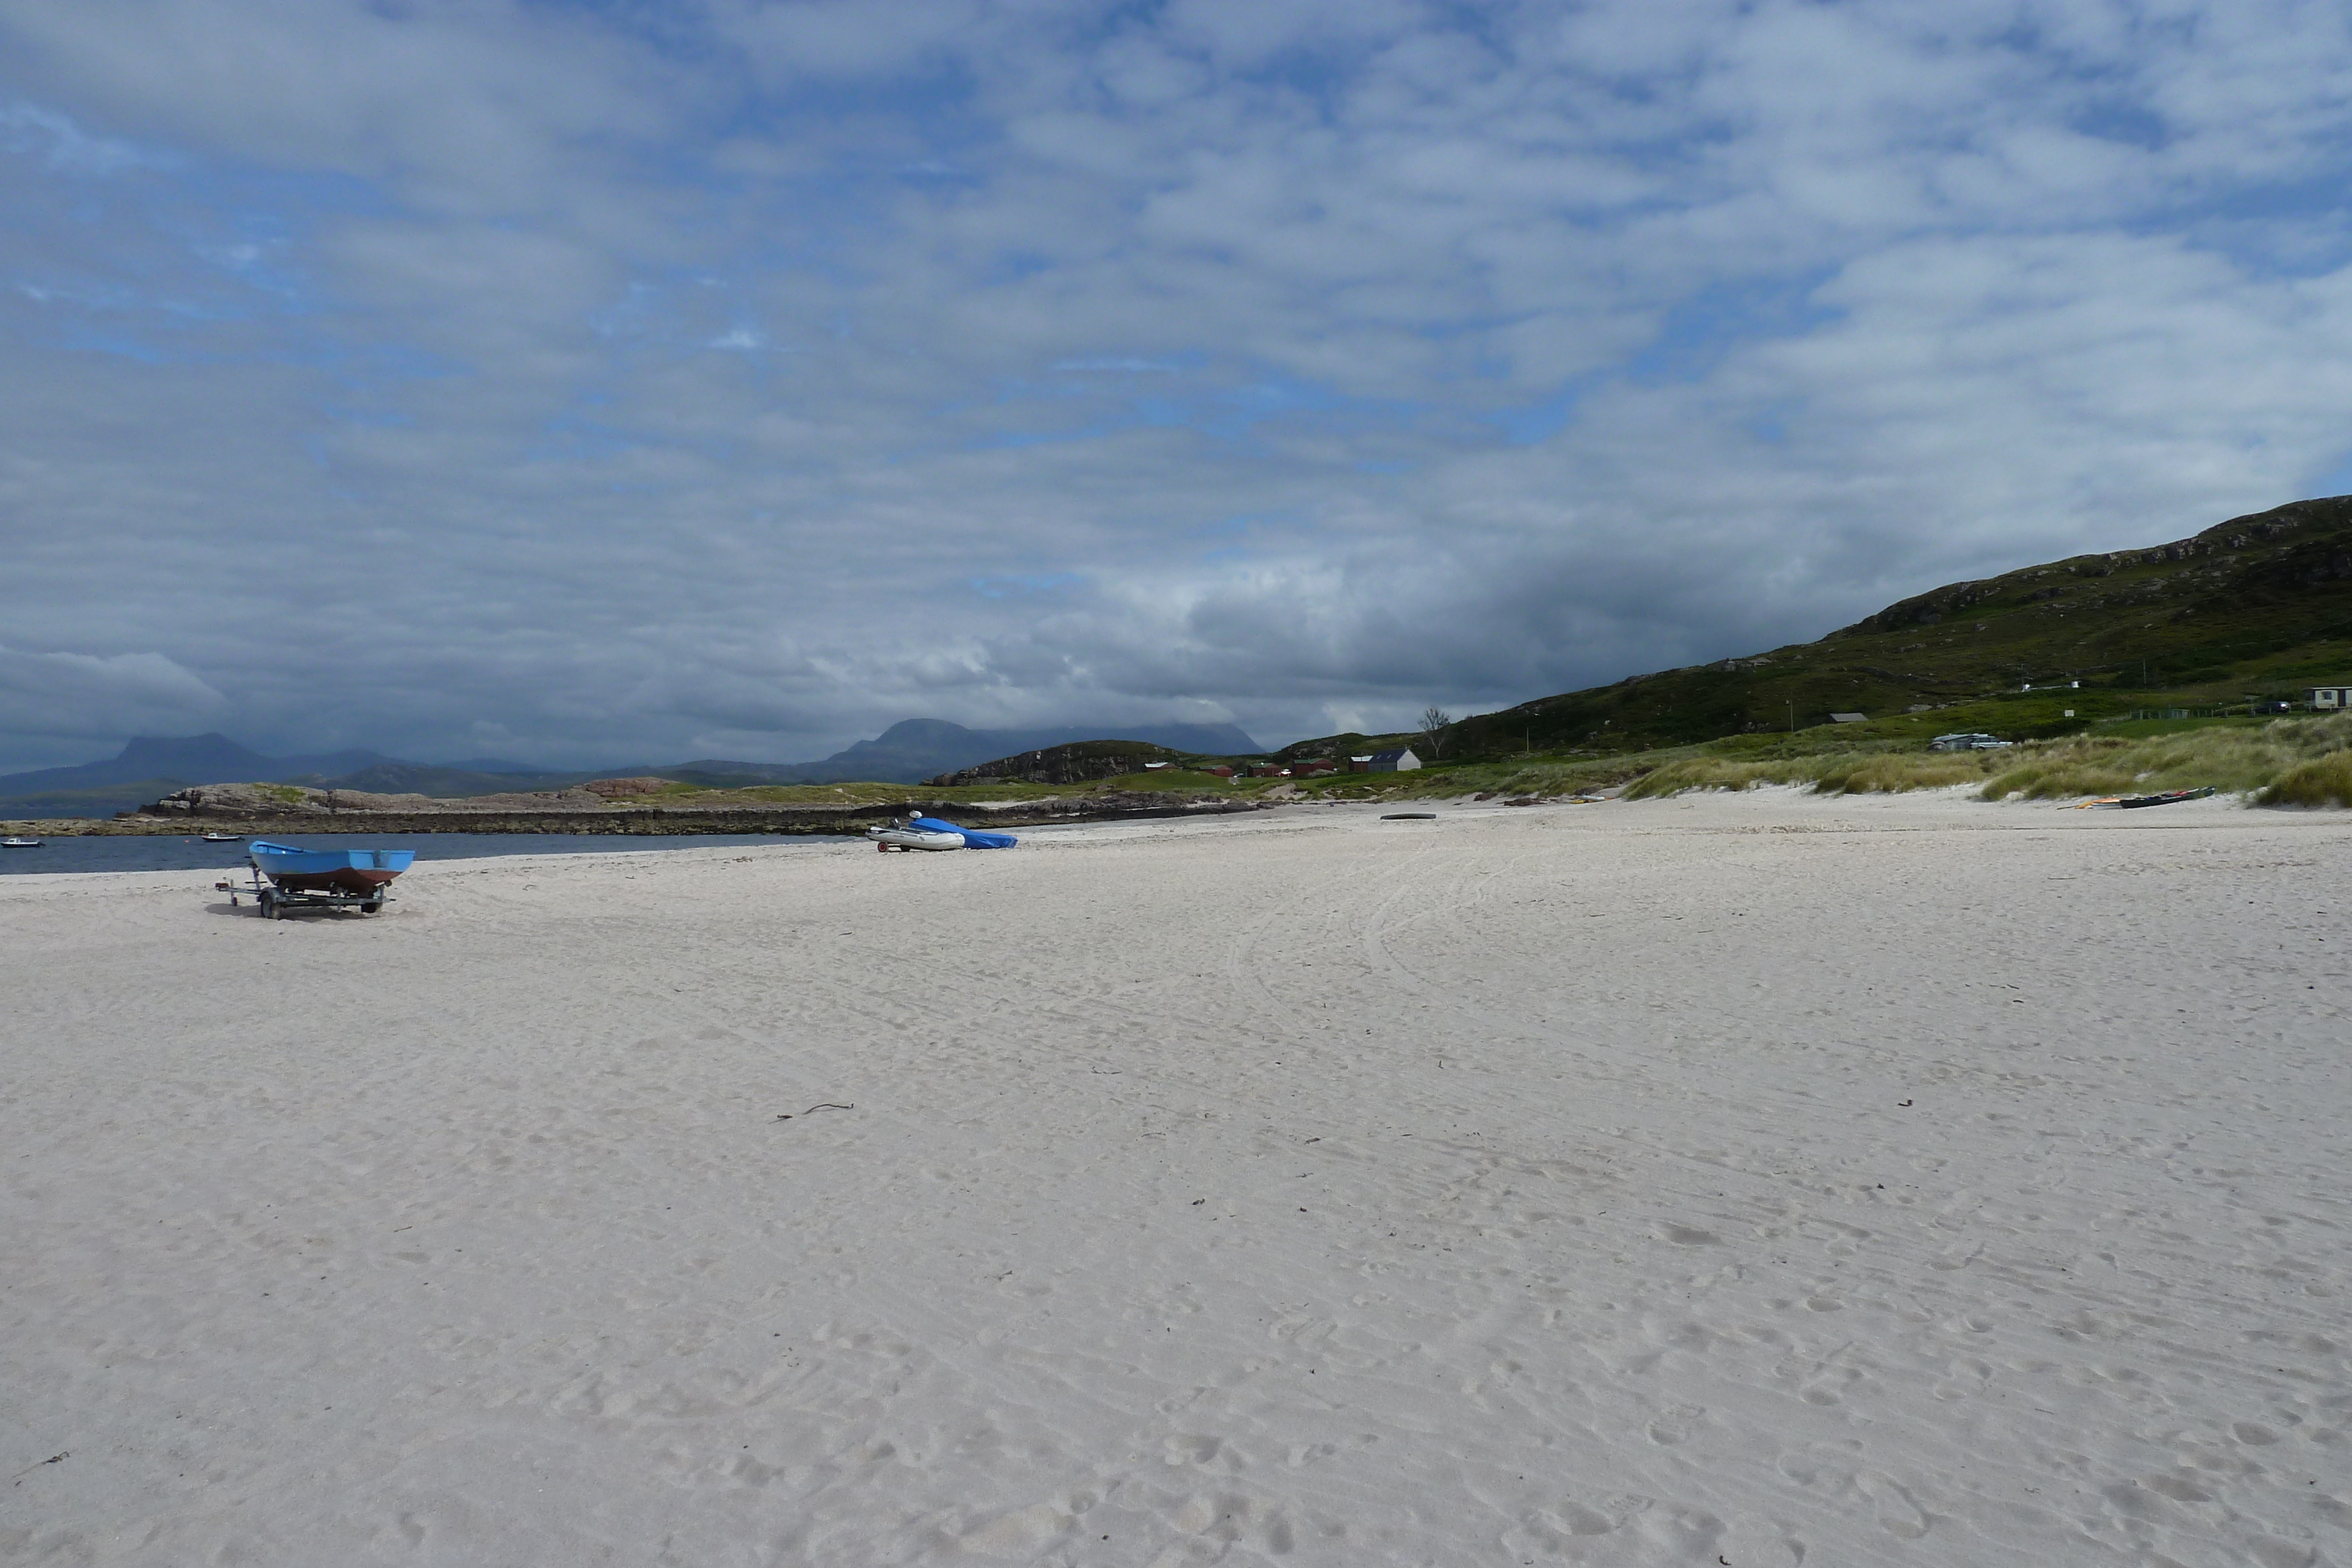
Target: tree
{"type": "Point", "coordinates": [1434, 720]}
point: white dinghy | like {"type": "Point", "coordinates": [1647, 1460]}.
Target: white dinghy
{"type": "Point", "coordinates": [904, 837]}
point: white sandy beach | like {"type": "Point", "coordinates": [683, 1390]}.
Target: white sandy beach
{"type": "Point", "coordinates": [1755, 1180]}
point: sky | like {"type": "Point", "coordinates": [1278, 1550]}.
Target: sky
{"type": "Point", "coordinates": [594, 381]}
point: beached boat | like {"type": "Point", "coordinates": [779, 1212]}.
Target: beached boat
{"type": "Point", "coordinates": [897, 838]}
{"type": "Point", "coordinates": [930, 833]}
{"type": "Point", "coordinates": [359, 874]}
{"type": "Point", "coordinates": [2170, 797]}
{"type": "Point", "coordinates": [20, 843]}
{"type": "Point", "coordinates": [2134, 803]}
{"type": "Point", "coordinates": [288, 877]}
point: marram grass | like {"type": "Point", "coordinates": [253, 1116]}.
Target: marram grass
{"type": "Point", "coordinates": [1837, 773]}
{"type": "Point", "coordinates": [2322, 782]}
{"type": "Point", "coordinates": [2293, 761]}
{"type": "Point", "coordinates": [2237, 759]}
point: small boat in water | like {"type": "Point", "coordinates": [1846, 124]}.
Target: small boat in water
{"type": "Point", "coordinates": [222, 838]}
{"type": "Point", "coordinates": [20, 843]}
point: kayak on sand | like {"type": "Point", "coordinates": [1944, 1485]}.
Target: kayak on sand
{"type": "Point", "coordinates": [2134, 803]}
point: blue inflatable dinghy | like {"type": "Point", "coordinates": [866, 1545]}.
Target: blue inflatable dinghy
{"type": "Point", "coordinates": [974, 838]}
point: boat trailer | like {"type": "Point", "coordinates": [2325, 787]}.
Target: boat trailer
{"type": "Point", "coordinates": [278, 902]}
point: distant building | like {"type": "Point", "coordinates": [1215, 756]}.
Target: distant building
{"type": "Point", "coordinates": [1268, 770]}
{"type": "Point", "coordinates": [2328, 698]}
{"type": "Point", "coordinates": [1401, 760]}
{"type": "Point", "coordinates": [1221, 770]}
{"type": "Point", "coordinates": [1849, 718]}
{"type": "Point", "coordinates": [1359, 765]}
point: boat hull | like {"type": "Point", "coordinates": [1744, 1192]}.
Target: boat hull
{"type": "Point", "coordinates": [353, 879]}
{"type": "Point", "coordinates": [358, 873]}
{"type": "Point", "coordinates": [914, 839]}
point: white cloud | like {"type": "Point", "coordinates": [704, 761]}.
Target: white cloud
{"type": "Point", "coordinates": [100, 698]}
{"type": "Point", "coordinates": [1318, 358]}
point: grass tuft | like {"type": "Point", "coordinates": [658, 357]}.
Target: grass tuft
{"type": "Point", "coordinates": [2322, 782]}
{"type": "Point", "coordinates": [2240, 759]}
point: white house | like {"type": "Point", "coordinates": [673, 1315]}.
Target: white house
{"type": "Point", "coordinates": [1401, 760]}
{"type": "Point", "coordinates": [2326, 697]}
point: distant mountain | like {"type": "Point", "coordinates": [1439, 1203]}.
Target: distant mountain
{"type": "Point", "coordinates": [200, 759]}
{"type": "Point", "coordinates": [906, 753]}
{"type": "Point", "coordinates": [919, 748]}
{"type": "Point", "coordinates": [497, 767]}
{"type": "Point", "coordinates": [149, 766]}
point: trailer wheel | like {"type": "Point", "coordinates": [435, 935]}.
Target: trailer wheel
{"type": "Point", "coordinates": [370, 908]}
{"type": "Point", "coordinates": [269, 909]}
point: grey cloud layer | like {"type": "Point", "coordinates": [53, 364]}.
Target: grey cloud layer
{"type": "Point", "coordinates": [460, 378]}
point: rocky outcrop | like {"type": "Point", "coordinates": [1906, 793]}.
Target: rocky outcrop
{"type": "Point", "coordinates": [300, 801]}
{"type": "Point", "coordinates": [626, 789]}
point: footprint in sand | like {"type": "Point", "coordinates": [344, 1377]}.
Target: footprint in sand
{"type": "Point", "coordinates": [1899, 1513]}
{"type": "Point", "coordinates": [1019, 1535]}
{"type": "Point", "coordinates": [1185, 1449]}
{"type": "Point", "coordinates": [1556, 1528]}
{"type": "Point", "coordinates": [1672, 1424]}
{"type": "Point", "coordinates": [2180, 1489]}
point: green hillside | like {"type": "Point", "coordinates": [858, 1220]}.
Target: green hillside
{"type": "Point", "coordinates": [2251, 611]}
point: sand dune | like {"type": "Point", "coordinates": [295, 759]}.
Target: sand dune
{"type": "Point", "coordinates": [1761, 1180]}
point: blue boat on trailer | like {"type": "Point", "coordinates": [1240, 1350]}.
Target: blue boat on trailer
{"type": "Point", "coordinates": [288, 876]}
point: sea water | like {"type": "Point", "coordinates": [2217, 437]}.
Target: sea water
{"type": "Point", "coordinates": [158, 852]}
